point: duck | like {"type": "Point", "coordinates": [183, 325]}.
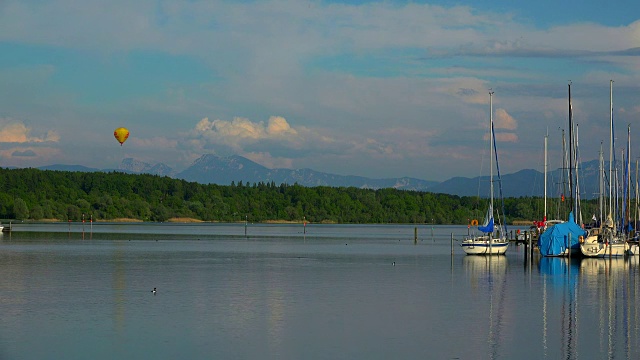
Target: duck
{"type": "Point", "coordinates": [153, 291]}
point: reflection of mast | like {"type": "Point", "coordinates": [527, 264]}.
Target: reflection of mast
{"type": "Point", "coordinates": [568, 316]}
{"type": "Point", "coordinates": [544, 316]}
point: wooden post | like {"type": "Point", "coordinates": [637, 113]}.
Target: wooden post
{"type": "Point", "coordinates": [451, 244]}
{"type": "Point", "coordinates": [569, 246]}
{"type": "Point", "coordinates": [415, 235]}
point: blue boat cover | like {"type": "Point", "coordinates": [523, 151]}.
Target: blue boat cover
{"type": "Point", "coordinates": [487, 224]}
{"type": "Point", "coordinates": [487, 228]}
{"type": "Point", "coordinates": [553, 242]}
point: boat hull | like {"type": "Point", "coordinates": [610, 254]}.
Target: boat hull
{"type": "Point", "coordinates": [482, 246]}
{"type": "Point", "coordinates": [591, 247]}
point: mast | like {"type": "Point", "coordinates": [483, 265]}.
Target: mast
{"type": "Point", "coordinates": [601, 184]}
{"type": "Point", "coordinates": [627, 200]}
{"type": "Point", "coordinates": [544, 218]}
{"type": "Point", "coordinates": [571, 143]}
{"type": "Point", "coordinates": [491, 144]}
{"type": "Point", "coordinates": [610, 145]}
{"type": "Point", "coordinates": [565, 174]}
{"type": "Point", "coordinates": [577, 212]}
{"type": "Point", "coordinates": [635, 216]}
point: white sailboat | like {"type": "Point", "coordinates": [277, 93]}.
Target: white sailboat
{"type": "Point", "coordinates": [593, 245]}
{"type": "Point", "coordinates": [617, 246]}
{"type": "Point", "coordinates": [634, 244]}
{"type": "Point", "coordinates": [492, 240]}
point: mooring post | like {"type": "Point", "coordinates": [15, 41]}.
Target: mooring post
{"type": "Point", "coordinates": [415, 235]}
{"type": "Point", "coordinates": [569, 245]}
{"type": "Point", "coordinates": [451, 244]}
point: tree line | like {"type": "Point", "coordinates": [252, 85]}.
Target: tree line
{"type": "Point", "coordinates": [63, 195]}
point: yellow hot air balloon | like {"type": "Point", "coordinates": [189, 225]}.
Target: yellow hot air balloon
{"type": "Point", "coordinates": [121, 135]}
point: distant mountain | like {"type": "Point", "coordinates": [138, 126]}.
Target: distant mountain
{"type": "Point", "coordinates": [131, 165]}
{"type": "Point", "coordinates": [213, 169]}
{"type": "Point", "coordinates": [224, 170]}
{"type": "Point", "coordinates": [526, 182]}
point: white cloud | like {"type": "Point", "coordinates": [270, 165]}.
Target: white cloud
{"type": "Point", "coordinates": [506, 137]}
{"type": "Point", "coordinates": [502, 120]}
{"type": "Point", "coordinates": [12, 131]}
{"type": "Point", "coordinates": [244, 136]}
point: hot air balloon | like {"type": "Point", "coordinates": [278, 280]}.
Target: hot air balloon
{"type": "Point", "coordinates": [121, 135]}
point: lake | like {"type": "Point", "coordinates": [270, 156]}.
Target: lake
{"type": "Point", "coordinates": [82, 291]}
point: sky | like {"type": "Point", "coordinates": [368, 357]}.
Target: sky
{"type": "Point", "coordinates": [370, 88]}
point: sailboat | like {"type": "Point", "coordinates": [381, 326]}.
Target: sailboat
{"type": "Point", "coordinates": [593, 244]}
{"type": "Point", "coordinates": [560, 239]}
{"type": "Point", "coordinates": [634, 244]}
{"type": "Point", "coordinates": [616, 244]}
{"type": "Point", "coordinates": [493, 240]}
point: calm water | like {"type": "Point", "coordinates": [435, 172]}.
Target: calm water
{"type": "Point", "coordinates": [278, 293]}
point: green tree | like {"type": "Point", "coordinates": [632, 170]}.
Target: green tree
{"type": "Point", "coordinates": [20, 209]}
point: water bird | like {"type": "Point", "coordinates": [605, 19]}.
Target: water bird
{"type": "Point", "coordinates": [394, 263]}
{"type": "Point", "coordinates": [153, 291]}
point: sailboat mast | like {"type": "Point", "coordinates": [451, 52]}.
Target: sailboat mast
{"type": "Point", "coordinates": [601, 184]}
{"type": "Point", "coordinates": [635, 216]}
{"type": "Point", "coordinates": [627, 199]}
{"type": "Point", "coordinates": [565, 174]}
{"type": "Point", "coordinates": [610, 145]}
{"type": "Point", "coordinates": [491, 142]}
{"type": "Point", "coordinates": [577, 212]}
{"type": "Point", "coordinates": [571, 142]}
{"type": "Point", "coordinates": [544, 218]}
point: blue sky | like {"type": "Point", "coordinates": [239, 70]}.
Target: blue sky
{"type": "Point", "coordinates": [371, 88]}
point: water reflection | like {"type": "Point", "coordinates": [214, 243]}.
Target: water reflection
{"type": "Point", "coordinates": [488, 276]}
{"type": "Point", "coordinates": [593, 300]}
{"type": "Point", "coordinates": [609, 288]}
{"type": "Point", "coordinates": [560, 285]}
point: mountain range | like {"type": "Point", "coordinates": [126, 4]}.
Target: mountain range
{"type": "Point", "coordinates": [223, 170]}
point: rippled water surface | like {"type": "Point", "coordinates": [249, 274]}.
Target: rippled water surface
{"type": "Point", "coordinates": [226, 291]}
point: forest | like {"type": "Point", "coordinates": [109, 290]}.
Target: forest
{"type": "Point", "coordinates": [33, 194]}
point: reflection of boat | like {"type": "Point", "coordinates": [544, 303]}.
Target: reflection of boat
{"type": "Point", "coordinates": [598, 267]}
{"type": "Point", "coordinates": [493, 239]}
{"type": "Point", "coordinates": [485, 266]}
{"type": "Point", "coordinates": [560, 284]}
{"type": "Point", "coordinates": [488, 274]}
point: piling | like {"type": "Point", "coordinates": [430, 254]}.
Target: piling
{"type": "Point", "coordinates": [415, 235]}
{"type": "Point", "coordinates": [451, 244]}
{"type": "Point", "coordinates": [569, 246]}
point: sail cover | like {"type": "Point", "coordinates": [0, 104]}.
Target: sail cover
{"type": "Point", "coordinates": [554, 241]}
{"type": "Point", "coordinates": [487, 224]}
